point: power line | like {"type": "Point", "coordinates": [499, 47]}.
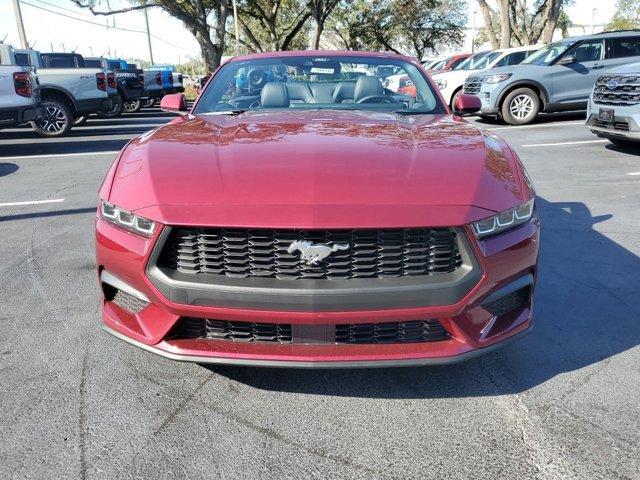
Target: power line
{"type": "Point", "coordinates": [103, 25]}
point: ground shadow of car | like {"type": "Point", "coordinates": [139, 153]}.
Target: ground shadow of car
{"type": "Point", "coordinates": [8, 168]}
{"type": "Point", "coordinates": [542, 118]}
{"type": "Point", "coordinates": [631, 149]}
{"type": "Point", "coordinates": [586, 311]}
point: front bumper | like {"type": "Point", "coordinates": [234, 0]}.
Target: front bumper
{"type": "Point", "coordinates": [10, 117]}
{"type": "Point", "coordinates": [505, 260]}
{"type": "Point", "coordinates": [625, 125]}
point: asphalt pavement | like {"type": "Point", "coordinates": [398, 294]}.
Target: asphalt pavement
{"type": "Point", "coordinates": [562, 403]}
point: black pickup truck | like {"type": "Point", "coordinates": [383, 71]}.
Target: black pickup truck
{"type": "Point", "coordinates": [130, 86]}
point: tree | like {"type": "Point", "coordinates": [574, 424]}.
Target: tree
{"type": "Point", "coordinates": [274, 24]}
{"type": "Point", "coordinates": [347, 24]}
{"type": "Point", "coordinates": [193, 13]}
{"type": "Point", "coordinates": [626, 15]}
{"type": "Point", "coordinates": [320, 11]}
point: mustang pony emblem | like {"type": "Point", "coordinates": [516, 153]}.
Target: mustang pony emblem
{"type": "Point", "coordinates": [313, 254]}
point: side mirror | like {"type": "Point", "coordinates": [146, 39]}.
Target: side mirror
{"type": "Point", "coordinates": [175, 102]}
{"type": "Point", "coordinates": [466, 104]}
{"type": "Point", "coordinates": [567, 60]}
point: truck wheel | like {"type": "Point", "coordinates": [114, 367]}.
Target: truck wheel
{"type": "Point", "coordinates": [56, 119]}
{"type": "Point", "coordinates": [132, 106]}
{"type": "Point", "coordinates": [116, 109]}
{"type": "Point", "coordinates": [80, 121]}
{"type": "Point", "coordinates": [149, 102]}
{"type": "Point", "coordinates": [520, 107]}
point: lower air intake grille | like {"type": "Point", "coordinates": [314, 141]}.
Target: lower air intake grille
{"type": "Point", "coordinates": [391, 332]}
{"type": "Point", "coordinates": [129, 302]}
{"type": "Point", "coordinates": [194, 328]}
{"type": "Point", "coordinates": [509, 302]}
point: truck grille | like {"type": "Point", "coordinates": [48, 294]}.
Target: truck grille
{"type": "Point", "coordinates": [417, 331]}
{"type": "Point", "coordinates": [242, 253]}
{"type": "Point", "coordinates": [617, 90]}
{"type": "Point", "coordinates": [472, 85]}
{"type": "Point", "coordinates": [621, 125]}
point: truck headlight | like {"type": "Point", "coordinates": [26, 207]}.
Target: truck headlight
{"type": "Point", "coordinates": [501, 77]}
{"type": "Point", "coordinates": [503, 221]}
{"type": "Point", "coordinates": [441, 83]}
{"type": "Point", "coordinates": [127, 220]}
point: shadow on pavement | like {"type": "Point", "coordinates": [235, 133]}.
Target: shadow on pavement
{"type": "Point", "coordinates": [58, 148]}
{"type": "Point", "coordinates": [628, 149]}
{"type": "Point", "coordinates": [586, 311]}
{"type": "Point", "coordinates": [54, 213]}
{"type": "Point", "coordinates": [542, 118]}
{"type": "Point", "coordinates": [8, 168]}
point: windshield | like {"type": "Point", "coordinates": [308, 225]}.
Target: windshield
{"type": "Point", "coordinates": [472, 62]}
{"type": "Point", "coordinates": [548, 54]}
{"type": "Point", "coordinates": [305, 82]}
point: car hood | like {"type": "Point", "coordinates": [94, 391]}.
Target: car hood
{"type": "Point", "coordinates": [513, 69]}
{"type": "Point", "coordinates": [316, 169]}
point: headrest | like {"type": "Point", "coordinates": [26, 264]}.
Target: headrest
{"type": "Point", "coordinates": [367, 86]}
{"type": "Point", "coordinates": [274, 95]}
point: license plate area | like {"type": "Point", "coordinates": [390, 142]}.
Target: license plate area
{"type": "Point", "coordinates": [606, 115]}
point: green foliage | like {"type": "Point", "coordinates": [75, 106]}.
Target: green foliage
{"type": "Point", "coordinates": [626, 16]}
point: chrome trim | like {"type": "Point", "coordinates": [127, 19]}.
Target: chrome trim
{"type": "Point", "coordinates": [115, 282]}
{"type": "Point", "coordinates": [412, 362]}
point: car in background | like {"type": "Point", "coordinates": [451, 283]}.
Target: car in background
{"type": "Point", "coordinates": [450, 62]}
{"type": "Point", "coordinates": [19, 93]}
{"type": "Point", "coordinates": [451, 83]}
{"type": "Point", "coordinates": [68, 90]}
{"type": "Point", "coordinates": [558, 77]}
{"type": "Point", "coordinates": [112, 87]}
{"type": "Point", "coordinates": [613, 110]}
{"type": "Point", "coordinates": [420, 249]}
{"type": "Point", "coordinates": [429, 64]}
{"type": "Point", "coordinates": [130, 82]}
{"type": "Point", "coordinates": [153, 87]}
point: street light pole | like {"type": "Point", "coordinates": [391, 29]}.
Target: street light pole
{"type": "Point", "coordinates": [146, 21]}
{"type": "Point", "coordinates": [21, 33]}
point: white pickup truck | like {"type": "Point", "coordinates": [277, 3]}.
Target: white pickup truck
{"type": "Point", "coordinates": [19, 94]}
{"type": "Point", "coordinates": [67, 91]}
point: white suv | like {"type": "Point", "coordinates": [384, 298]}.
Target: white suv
{"type": "Point", "coordinates": [613, 111]}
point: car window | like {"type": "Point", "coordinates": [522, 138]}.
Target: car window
{"type": "Point", "coordinates": [456, 62]}
{"type": "Point", "coordinates": [329, 83]}
{"type": "Point", "coordinates": [439, 65]}
{"type": "Point", "coordinates": [471, 62]}
{"type": "Point", "coordinates": [623, 47]}
{"type": "Point", "coordinates": [514, 58]}
{"type": "Point", "coordinates": [546, 55]}
{"type": "Point", "coordinates": [60, 61]}
{"type": "Point", "coordinates": [23, 59]}
{"type": "Point", "coordinates": [589, 51]}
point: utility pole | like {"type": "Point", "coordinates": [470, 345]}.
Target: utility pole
{"type": "Point", "coordinates": [23, 36]}
{"type": "Point", "coordinates": [146, 21]}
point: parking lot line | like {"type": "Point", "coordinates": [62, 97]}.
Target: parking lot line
{"type": "Point", "coordinates": [563, 143]}
{"type": "Point", "coordinates": [34, 202]}
{"type": "Point", "coordinates": [633, 173]}
{"type": "Point", "coordinates": [105, 152]}
{"type": "Point", "coordinates": [538, 125]}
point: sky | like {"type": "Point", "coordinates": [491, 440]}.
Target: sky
{"type": "Point", "coordinates": [48, 27]}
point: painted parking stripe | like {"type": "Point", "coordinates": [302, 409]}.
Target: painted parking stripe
{"type": "Point", "coordinates": [540, 125]}
{"type": "Point", "coordinates": [106, 152]}
{"type": "Point", "coordinates": [633, 173]}
{"type": "Point", "coordinates": [34, 202]}
{"type": "Point", "coordinates": [564, 143]}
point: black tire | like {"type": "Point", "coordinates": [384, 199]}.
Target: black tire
{"type": "Point", "coordinates": [57, 118]}
{"type": "Point", "coordinates": [80, 120]}
{"type": "Point", "coordinates": [116, 109]}
{"type": "Point", "coordinates": [132, 106]}
{"type": "Point", "coordinates": [520, 107]}
{"type": "Point", "coordinates": [624, 143]}
{"type": "Point", "coordinates": [149, 102]}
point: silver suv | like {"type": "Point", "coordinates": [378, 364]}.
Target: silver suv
{"type": "Point", "coordinates": [558, 77]}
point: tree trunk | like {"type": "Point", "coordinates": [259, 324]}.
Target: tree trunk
{"type": "Point", "coordinates": [552, 21]}
{"type": "Point", "coordinates": [315, 43]}
{"type": "Point", "coordinates": [488, 23]}
{"type": "Point", "coordinates": [505, 25]}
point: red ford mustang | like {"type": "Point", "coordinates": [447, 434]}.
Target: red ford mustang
{"type": "Point", "coordinates": [303, 215]}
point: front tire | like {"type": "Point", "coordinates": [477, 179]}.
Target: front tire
{"type": "Point", "coordinates": [57, 119]}
{"type": "Point", "coordinates": [520, 107]}
{"type": "Point", "coordinates": [116, 109]}
{"type": "Point", "coordinates": [132, 106]}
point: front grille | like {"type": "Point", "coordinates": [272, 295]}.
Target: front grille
{"type": "Point", "coordinates": [189, 328]}
{"type": "Point", "coordinates": [194, 328]}
{"type": "Point", "coordinates": [472, 85]}
{"type": "Point", "coordinates": [509, 302]}
{"type": "Point", "coordinates": [624, 91]}
{"type": "Point", "coordinates": [391, 332]}
{"type": "Point", "coordinates": [128, 302]}
{"type": "Point", "coordinates": [621, 125]}
{"type": "Point", "coordinates": [243, 253]}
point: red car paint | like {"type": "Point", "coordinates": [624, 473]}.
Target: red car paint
{"type": "Point", "coordinates": [326, 170]}
{"type": "Point", "coordinates": [451, 62]}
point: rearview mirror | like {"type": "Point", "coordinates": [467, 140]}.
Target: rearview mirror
{"type": "Point", "coordinates": [567, 60]}
{"type": "Point", "coordinates": [466, 104]}
{"type": "Point", "coordinates": [175, 102]}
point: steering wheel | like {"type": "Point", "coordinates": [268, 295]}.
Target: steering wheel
{"type": "Point", "coordinates": [256, 78]}
{"type": "Point", "coordinates": [381, 98]}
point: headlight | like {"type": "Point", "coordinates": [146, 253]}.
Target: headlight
{"type": "Point", "coordinates": [127, 220]}
{"type": "Point", "coordinates": [503, 221]}
{"type": "Point", "coordinates": [497, 78]}
{"type": "Point", "coordinates": [441, 83]}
